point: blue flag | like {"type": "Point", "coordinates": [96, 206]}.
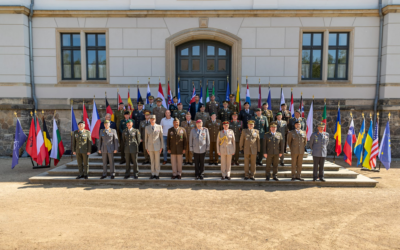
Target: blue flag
{"type": "Point", "coordinates": [19, 140]}
{"type": "Point", "coordinates": [139, 96]}
{"type": "Point", "coordinates": [179, 93]}
{"type": "Point", "coordinates": [201, 94]}
{"type": "Point", "coordinates": [228, 92]}
{"type": "Point", "coordinates": [358, 148]}
{"type": "Point", "coordinates": [148, 92]}
{"type": "Point", "coordinates": [74, 126]}
{"type": "Point", "coordinates": [385, 152]}
{"type": "Point", "coordinates": [269, 100]}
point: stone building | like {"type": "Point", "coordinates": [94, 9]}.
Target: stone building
{"type": "Point", "coordinates": [80, 49]}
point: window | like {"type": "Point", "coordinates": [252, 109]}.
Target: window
{"type": "Point", "coordinates": [96, 56]}
{"type": "Point", "coordinates": [311, 66]}
{"type": "Point", "coordinates": [71, 56]}
{"type": "Point", "coordinates": [338, 56]}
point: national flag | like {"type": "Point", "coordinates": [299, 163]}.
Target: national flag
{"type": "Point", "coordinates": [30, 147]}
{"type": "Point", "coordinates": [324, 117]}
{"type": "Point", "coordinates": [169, 96]}
{"type": "Point", "coordinates": [119, 101]}
{"type": "Point", "coordinates": [74, 125]}
{"type": "Point", "coordinates": [310, 119]}
{"type": "Point", "coordinates": [348, 145]}
{"type": "Point", "coordinates": [109, 110]}
{"type": "Point", "coordinates": [19, 140]}
{"type": "Point", "coordinates": [248, 92]}
{"type": "Point", "coordinates": [238, 96]}
{"type": "Point", "coordinates": [130, 104]}
{"type": "Point", "coordinates": [358, 148]}
{"type": "Point", "coordinates": [95, 127]}
{"type": "Point", "coordinates": [139, 96]}
{"type": "Point", "coordinates": [282, 100]}
{"type": "Point", "coordinates": [58, 146]}
{"type": "Point", "coordinates": [179, 90]}
{"type": "Point", "coordinates": [338, 134]}
{"type": "Point", "coordinates": [367, 148]}
{"type": "Point", "coordinates": [148, 92]}
{"type": "Point", "coordinates": [161, 95]}
{"type": "Point", "coordinates": [301, 107]}
{"type": "Point", "coordinates": [375, 146]}
{"type": "Point", "coordinates": [269, 101]}
{"type": "Point", "coordinates": [41, 150]}
{"type": "Point", "coordinates": [207, 94]}
{"type": "Point", "coordinates": [193, 95]}
{"type": "Point", "coordinates": [201, 93]}
{"type": "Point", "coordinates": [291, 107]}
{"type": "Point", "coordinates": [86, 118]}
{"type": "Point", "coordinates": [213, 90]}
{"type": "Point", "coordinates": [228, 90]}
{"type": "Point", "coordinates": [47, 142]}
{"type": "Point", "coordinates": [259, 95]}
{"type": "Point", "coordinates": [385, 152]}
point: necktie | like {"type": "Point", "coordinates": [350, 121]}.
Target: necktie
{"type": "Point", "coordinates": [247, 111]}
{"type": "Point", "coordinates": [298, 132]}
{"type": "Point", "coordinates": [152, 127]}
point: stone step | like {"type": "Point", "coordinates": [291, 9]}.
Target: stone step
{"type": "Point", "coordinates": [240, 154]}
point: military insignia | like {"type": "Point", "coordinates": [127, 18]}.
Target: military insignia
{"type": "Point", "coordinates": [254, 134]}
{"type": "Point", "coordinates": [191, 125]}
{"type": "Point", "coordinates": [222, 113]}
{"type": "Point", "coordinates": [181, 132]}
{"type": "Point", "coordinates": [76, 136]}
{"type": "Point", "coordinates": [172, 133]}
{"type": "Point", "coordinates": [216, 104]}
{"type": "Point", "coordinates": [218, 124]}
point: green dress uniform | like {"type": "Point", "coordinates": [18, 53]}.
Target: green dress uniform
{"type": "Point", "coordinates": [213, 127]}
{"type": "Point", "coordinates": [261, 124]}
{"type": "Point", "coordinates": [286, 115]}
{"type": "Point", "coordinates": [188, 126]}
{"type": "Point", "coordinates": [293, 120]}
{"type": "Point", "coordinates": [250, 143]}
{"type": "Point", "coordinates": [122, 127]}
{"type": "Point", "coordinates": [234, 106]}
{"type": "Point", "coordinates": [318, 144]}
{"type": "Point", "coordinates": [176, 143]}
{"type": "Point", "coordinates": [212, 107]}
{"type": "Point", "coordinates": [268, 113]}
{"type": "Point", "coordinates": [82, 144]}
{"type": "Point", "coordinates": [131, 139]}
{"type": "Point", "coordinates": [272, 147]}
{"type": "Point", "coordinates": [173, 107]}
{"type": "Point", "coordinates": [236, 127]}
{"type": "Point", "coordinates": [283, 129]}
{"type": "Point", "coordinates": [225, 114]}
{"type": "Point", "coordinates": [297, 140]}
{"type": "Point", "coordinates": [118, 117]}
{"type": "Point", "coordinates": [204, 116]}
{"type": "Point", "coordinates": [142, 127]}
{"type": "Point", "coordinates": [180, 114]}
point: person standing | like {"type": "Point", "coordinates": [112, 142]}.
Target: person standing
{"type": "Point", "coordinates": [151, 105]}
{"type": "Point", "coordinates": [261, 124]}
{"type": "Point", "coordinates": [176, 143]}
{"type": "Point", "coordinates": [108, 145]}
{"type": "Point", "coordinates": [180, 113]}
{"type": "Point", "coordinates": [226, 148]}
{"type": "Point", "coordinates": [166, 123]}
{"type": "Point", "coordinates": [82, 146]}
{"type": "Point", "coordinates": [297, 140]}
{"type": "Point", "coordinates": [188, 125]}
{"type": "Point", "coordinates": [246, 114]}
{"type": "Point", "coordinates": [199, 143]}
{"type": "Point", "coordinates": [138, 115]}
{"type": "Point", "coordinates": [194, 107]}
{"type": "Point", "coordinates": [122, 127]}
{"type": "Point", "coordinates": [131, 138]}
{"type": "Point", "coordinates": [297, 117]}
{"type": "Point", "coordinates": [225, 114]}
{"type": "Point", "coordinates": [318, 144]}
{"type": "Point", "coordinates": [143, 125]}
{"type": "Point", "coordinates": [250, 143]}
{"type": "Point", "coordinates": [236, 126]}
{"type": "Point", "coordinates": [267, 113]}
{"type": "Point", "coordinates": [214, 126]}
{"type": "Point", "coordinates": [285, 113]}
{"type": "Point", "coordinates": [233, 105]}
{"type": "Point", "coordinates": [174, 105]}
{"type": "Point", "coordinates": [154, 141]}
{"type": "Point", "coordinates": [283, 129]}
{"type": "Point", "coordinates": [118, 115]}
{"type": "Point", "coordinates": [159, 111]}
{"type": "Point", "coordinates": [107, 117]}
{"type": "Point", "coordinates": [212, 106]}
{"type": "Point", "coordinates": [201, 115]}
{"type": "Point", "coordinates": [272, 150]}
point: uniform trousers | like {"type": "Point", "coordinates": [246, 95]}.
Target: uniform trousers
{"type": "Point", "coordinates": [199, 164]}
{"type": "Point", "coordinates": [176, 162]}
{"type": "Point", "coordinates": [274, 161]}
{"type": "Point", "coordinates": [297, 164]}
{"type": "Point", "coordinates": [146, 155]}
{"type": "Point", "coordinates": [188, 153]}
{"type": "Point", "coordinates": [108, 157]}
{"type": "Point", "coordinates": [235, 157]}
{"type": "Point", "coordinates": [155, 162]}
{"type": "Point", "coordinates": [250, 163]}
{"type": "Point", "coordinates": [122, 148]}
{"type": "Point", "coordinates": [260, 155]}
{"type": "Point", "coordinates": [318, 165]}
{"type": "Point", "coordinates": [284, 148]}
{"type": "Point", "coordinates": [226, 165]}
{"type": "Point", "coordinates": [83, 163]}
{"type": "Point", "coordinates": [131, 157]}
{"type": "Point", "coordinates": [165, 151]}
{"type": "Point", "coordinates": [213, 152]}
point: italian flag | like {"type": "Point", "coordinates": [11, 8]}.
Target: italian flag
{"type": "Point", "coordinates": [324, 117]}
{"type": "Point", "coordinates": [57, 150]}
{"type": "Point", "coordinates": [207, 95]}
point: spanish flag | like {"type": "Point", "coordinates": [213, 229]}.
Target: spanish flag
{"type": "Point", "coordinates": [338, 134]}
{"type": "Point", "coordinates": [367, 148]}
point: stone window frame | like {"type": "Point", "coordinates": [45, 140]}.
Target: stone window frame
{"type": "Point", "coordinates": [325, 49]}
{"type": "Point", "coordinates": [82, 32]}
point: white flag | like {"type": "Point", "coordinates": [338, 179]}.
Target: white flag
{"type": "Point", "coordinates": [282, 100]}
{"type": "Point", "coordinates": [310, 119]}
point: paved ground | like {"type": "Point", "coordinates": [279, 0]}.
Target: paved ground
{"type": "Point", "coordinates": [118, 217]}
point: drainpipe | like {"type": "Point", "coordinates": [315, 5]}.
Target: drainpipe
{"type": "Point", "coordinates": [378, 78]}
{"type": "Point", "coordinates": [33, 92]}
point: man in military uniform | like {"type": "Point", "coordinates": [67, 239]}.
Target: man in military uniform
{"type": "Point", "coordinates": [272, 150]}
{"type": "Point", "coordinates": [199, 144]}
{"type": "Point", "coordinates": [118, 116]}
{"type": "Point", "coordinates": [188, 125]}
{"type": "Point", "coordinates": [233, 105]}
{"type": "Point", "coordinates": [180, 113]}
{"type": "Point", "coordinates": [174, 105]}
{"type": "Point", "coordinates": [214, 126]}
{"type": "Point", "coordinates": [297, 140]}
{"type": "Point", "coordinates": [108, 145]}
{"type": "Point", "coordinates": [286, 115]}
{"type": "Point", "coordinates": [122, 127]}
{"type": "Point", "coordinates": [246, 114]}
{"type": "Point", "coordinates": [225, 114]}
{"type": "Point", "coordinates": [138, 115]}
{"type": "Point", "coordinates": [318, 144]}
{"type": "Point", "coordinates": [176, 145]}
{"type": "Point", "coordinates": [201, 115]}
{"type": "Point", "coordinates": [82, 146]}
{"type": "Point", "coordinates": [226, 148]}
{"type": "Point", "coordinates": [131, 138]}
{"type": "Point", "coordinates": [261, 124]}
{"type": "Point", "coordinates": [151, 104]}
{"type": "Point", "coordinates": [236, 126]}
{"type": "Point", "coordinates": [142, 127]}
{"type": "Point", "coordinates": [267, 113]}
{"type": "Point", "coordinates": [154, 145]}
{"type": "Point", "coordinates": [283, 129]}
{"type": "Point", "coordinates": [297, 117]}
{"type": "Point", "coordinates": [250, 143]}
{"type": "Point", "coordinates": [159, 111]}
{"type": "Point", "coordinates": [212, 106]}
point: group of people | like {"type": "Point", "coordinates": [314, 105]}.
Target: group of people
{"type": "Point", "coordinates": [223, 131]}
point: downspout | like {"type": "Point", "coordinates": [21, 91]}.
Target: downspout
{"type": "Point", "coordinates": [378, 77]}
{"type": "Point", "coordinates": [33, 89]}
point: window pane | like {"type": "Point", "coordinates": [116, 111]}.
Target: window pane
{"type": "Point", "coordinates": [317, 39]}
{"type": "Point", "coordinates": [66, 40]}
{"type": "Point", "coordinates": [221, 52]}
{"type": "Point", "coordinates": [77, 64]}
{"type": "Point", "coordinates": [305, 65]}
{"type": "Point", "coordinates": [342, 56]}
{"type": "Point", "coordinates": [101, 40]}
{"type": "Point", "coordinates": [331, 63]}
{"type": "Point", "coordinates": [210, 65]}
{"type": "Point", "coordinates": [76, 40]}
{"type": "Point", "coordinates": [91, 40]}
{"type": "Point", "coordinates": [316, 64]}
{"type": "Point", "coordinates": [343, 39]}
{"type": "Point", "coordinates": [67, 63]}
{"type": "Point", "coordinates": [91, 64]}
{"type": "Point", "coordinates": [221, 65]}
{"type": "Point", "coordinates": [332, 39]}
{"type": "Point", "coordinates": [196, 64]}
{"type": "Point", "coordinates": [195, 50]}
{"type": "Point", "coordinates": [306, 39]}
{"type": "Point", "coordinates": [210, 51]}
{"type": "Point", "coordinates": [102, 64]}
{"type": "Point", "coordinates": [342, 71]}
{"type": "Point", "coordinates": [185, 52]}
{"type": "Point", "coordinates": [342, 63]}
{"type": "Point", "coordinates": [185, 64]}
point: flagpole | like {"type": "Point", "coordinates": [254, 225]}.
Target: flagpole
{"type": "Point", "coordinates": [72, 104]}
{"type": "Point", "coordinates": [377, 122]}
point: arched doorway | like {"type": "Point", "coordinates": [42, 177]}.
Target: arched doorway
{"type": "Point", "coordinates": [201, 61]}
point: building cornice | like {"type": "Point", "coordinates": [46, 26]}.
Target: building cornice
{"type": "Point", "coordinates": [14, 10]}
{"type": "Point", "coordinates": [391, 9]}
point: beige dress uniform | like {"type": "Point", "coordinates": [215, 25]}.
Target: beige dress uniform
{"type": "Point", "coordinates": [226, 146]}
{"type": "Point", "coordinates": [188, 126]}
{"type": "Point", "coordinates": [159, 112]}
{"type": "Point", "coordinates": [154, 142]}
{"type": "Point", "coordinates": [213, 128]}
{"type": "Point", "coordinates": [250, 143]}
{"type": "Point", "coordinates": [297, 140]}
{"type": "Point", "coordinates": [142, 129]}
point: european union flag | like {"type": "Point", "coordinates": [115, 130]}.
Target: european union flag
{"type": "Point", "coordinates": [385, 152]}
{"type": "Point", "coordinates": [269, 100]}
{"type": "Point", "coordinates": [19, 140]}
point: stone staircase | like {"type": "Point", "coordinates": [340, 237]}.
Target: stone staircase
{"type": "Point", "coordinates": [335, 175]}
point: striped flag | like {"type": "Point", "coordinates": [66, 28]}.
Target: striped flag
{"type": "Point", "coordinates": [148, 92]}
{"type": "Point", "coordinates": [41, 149]}
{"type": "Point", "coordinates": [291, 107]}
{"type": "Point", "coordinates": [310, 119]}
{"type": "Point", "coordinates": [375, 147]}
{"type": "Point", "coordinates": [302, 106]}
{"type": "Point", "coordinates": [238, 96]}
{"type": "Point", "coordinates": [282, 100]}
{"type": "Point", "coordinates": [58, 146]}
{"type": "Point", "coordinates": [248, 92]}
{"type": "Point", "coordinates": [338, 134]}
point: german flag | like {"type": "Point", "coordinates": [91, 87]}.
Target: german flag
{"type": "Point", "coordinates": [47, 142]}
{"type": "Point", "coordinates": [109, 110]}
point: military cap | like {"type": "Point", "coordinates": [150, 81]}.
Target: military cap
{"type": "Point", "coordinates": [212, 95]}
{"type": "Point", "coordinates": [225, 123]}
{"type": "Point", "coordinates": [258, 109]}
{"type": "Point", "coordinates": [265, 103]}
{"type": "Point", "coordinates": [279, 113]}
{"type": "Point", "coordinates": [199, 121]}
{"type": "Point", "coordinates": [283, 104]}
{"type": "Point", "coordinates": [213, 113]}
{"type": "Point", "coordinates": [231, 95]}
{"type": "Point", "coordinates": [140, 104]}
{"type": "Point", "coordinates": [175, 97]}
{"type": "Point", "coordinates": [121, 103]}
{"type": "Point", "coordinates": [106, 121]}
{"type": "Point", "coordinates": [273, 124]}
{"type": "Point", "coordinates": [180, 104]}
{"type": "Point", "coordinates": [246, 103]}
{"type": "Point", "coordinates": [127, 113]}
{"type": "Point", "coordinates": [81, 122]}
{"type": "Point", "coordinates": [151, 97]}
{"type": "Point", "coordinates": [225, 102]}
{"type": "Point", "coordinates": [130, 120]}
{"type": "Point", "coordinates": [159, 100]}
{"type": "Point", "coordinates": [201, 105]}
{"type": "Point", "coordinates": [321, 124]}
{"type": "Point", "coordinates": [147, 112]}
{"type": "Point", "coordinates": [234, 113]}
{"type": "Point", "coordinates": [250, 122]}
{"type": "Point", "coordinates": [152, 116]}
{"type": "Point", "coordinates": [176, 119]}
{"type": "Point", "coordinates": [298, 121]}
{"type": "Point", "coordinates": [298, 111]}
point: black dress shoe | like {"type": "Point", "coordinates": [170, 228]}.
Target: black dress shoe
{"type": "Point", "coordinates": [135, 177]}
{"type": "Point", "coordinates": [197, 177]}
{"type": "Point", "coordinates": [293, 179]}
{"type": "Point", "coordinates": [222, 178]}
{"type": "Point", "coordinates": [179, 177]}
{"type": "Point", "coordinates": [122, 162]}
{"type": "Point", "coordinates": [201, 177]}
{"type": "Point", "coordinates": [252, 178]}
{"type": "Point", "coordinates": [314, 179]}
{"type": "Point", "coordinates": [228, 178]}
{"type": "Point", "coordinates": [112, 177]}
{"type": "Point", "coordinates": [322, 179]}
{"type": "Point", "coordinates": [246, 178]}
{"type": "Point", "coordinates": [126, 177]}
{"type": "Point", "coordinates": [103, 177]}
{"type": "Point", "coordinates": [157, 177]}
{"type": "Point", "coordinates": [282, 164]}
{"type": "Point", "coordinates": [79, 176]}
{"type": "Point", "coordinates": [267, 179]}
{"type": "Point", "coordinates": [173, 177]}
{"type": "Point", "coordinates": [275, 179]}
{"type": "Point", "coordinates": [300, 179]}
{"type": "Point", "coordinates": [152, 177]}
{"type": "Point", "coordinates": [86, 177]}
{"type": "Point", "coordinates": [191, 163]}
